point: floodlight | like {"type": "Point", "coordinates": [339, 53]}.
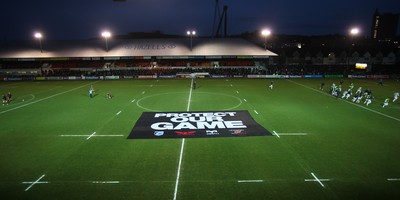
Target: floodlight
{"type": "Point", "coordinates": [38, 35]}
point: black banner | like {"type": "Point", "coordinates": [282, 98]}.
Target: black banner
{"type": "Point", "coordinates": [154, 125]}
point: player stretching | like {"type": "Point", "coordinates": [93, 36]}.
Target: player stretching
{"type": "Point", "coordinates": [396, 96]}
{"type": "Point", "coordinates": [91, 93]}
{"type": "Point", "coordinates": [271, 85]}
{"type": "Point", "coordinates": [351, 86]}
{"type": "Point", "coordinates": [347, 94]}
{"type": "Point", "coordinates": [385, 103]}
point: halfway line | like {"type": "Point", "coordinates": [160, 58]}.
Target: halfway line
{"type": "Point", "coordinates": [179, 169]}
{"type": "Point", "coordinates": [182, 146]}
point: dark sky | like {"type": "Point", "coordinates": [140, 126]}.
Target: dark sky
{"type": "Point", "coordinates": [81, 19]}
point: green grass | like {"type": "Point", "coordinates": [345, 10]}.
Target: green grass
{"type": "Point", "coordinates": [355, 146]}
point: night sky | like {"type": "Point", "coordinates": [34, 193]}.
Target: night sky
{"type": "Point", "coordinates": [82, 19]}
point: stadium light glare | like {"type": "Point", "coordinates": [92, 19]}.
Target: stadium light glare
{"type": "Point", "coordinates": [265, 33]}
{"type": "Point", "coordinates": [39, 37]}
{"type": "Point", "coordinates": [191, 33]}
{"type": "Point", "coordinates": [354, 31]}
{"type": "Point", "coordinates": [106, 35]}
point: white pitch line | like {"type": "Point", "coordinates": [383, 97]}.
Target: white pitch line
{"type": "Point", "coordinates": [293, 134]}
{"type": "Point", "coordinates": [250, 181]}
{"type": "Point", "coordinates": [179, 169]}
{"type": "Point", "coordinates": [276, 134]}
{"type": "Point", "coordinates": [256, 112]}
{"type": "Point", "coordinates": [91, 135]}
{"type": "Point", "coordinates": [393, 179]}
{"type": "Point", "coordinates": [39, 100]}
{"type": "Point", "coordinates": [313, 180]}
{"type": "Point", "coordinates": [107, 135]}
{"type": "Point", "coordinates": [133, 101]}
{"type": "Point", "coordinates": [190, 96]}
{"type": "Point", "coordinates": [36, 182]}
{"type": "Point", "coordinates": [178, 173]}
{"type": "Point", "coordinates": [318, 180]}
{"type": "Point", "coordinates": [105, 182]}
{"type": "Point", "coordinates": [360, 106]}
{"type": "Point", "coordinates": [118, 112]}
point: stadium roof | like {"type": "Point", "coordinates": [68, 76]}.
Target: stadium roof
{"type": "Point", "coordinates": [133, 47]}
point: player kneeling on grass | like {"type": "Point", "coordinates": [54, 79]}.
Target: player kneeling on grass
{"type": "Point", "coordinates": [109, 95]}
{"type": "Point", "coordinates": [9, 97]}
{"type": "Point", "coordinates": [359, 98]}
{"type": "Point", "coordinates": [368, 100]}
{"type": "Point", "coordinates": [5, 101]}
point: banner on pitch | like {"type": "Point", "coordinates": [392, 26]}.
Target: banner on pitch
{"type": "Point", "coordinates": [155, 125]}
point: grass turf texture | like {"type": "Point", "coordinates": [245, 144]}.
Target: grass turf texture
{"type": "Point", "coordinates": [354, 146]}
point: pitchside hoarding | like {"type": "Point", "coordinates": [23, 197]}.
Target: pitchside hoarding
{"type": "Point", "coordinates": [155, 125]}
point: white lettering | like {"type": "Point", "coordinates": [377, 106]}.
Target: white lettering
{"type": "Point", "coordinates": [184, 125]}
{"type": "Point", "coordinates": [212, 125]}
{"type": "Point", "coordinates": [234, 124]}
{"type": "Point", "coordinates": [207, 114]}
{"type": "Point", "coordinates": [213, 118]}
{"type": "Point", "coordinates": [197, 119]}
{"type": "Point", "coordinates": [179, 119]}
{"type": "Point", "coordinates": [162, 126]}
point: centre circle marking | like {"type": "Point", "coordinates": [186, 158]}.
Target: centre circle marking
{"type": "Point", "coordinates": [138, 103]}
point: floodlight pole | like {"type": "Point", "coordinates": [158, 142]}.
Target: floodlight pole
{"type": "Point", "coordinates": [265, 33]}
{"type": "Point", "coordinates": [40, 44]}
{"type": "Point", "coordinates": [106, 35]}
{"type": "Point", "coordinates": [39, 37]}
{"type": "Point", "coordinates": [191, 34]}
{"type": "Point", "coordinates": [353, 33]}
{"type": "Point", "coordinates": [106, 44]}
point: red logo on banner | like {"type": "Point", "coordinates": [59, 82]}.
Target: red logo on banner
{"type": "Point", "coordinates": [185, 132]}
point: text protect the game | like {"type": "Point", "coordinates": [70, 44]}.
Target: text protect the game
{"type": "Point", "coordinates": [152, 125]}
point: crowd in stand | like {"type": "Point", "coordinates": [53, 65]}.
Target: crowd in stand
{"type": "Point", "coordinates": [132, 67]}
